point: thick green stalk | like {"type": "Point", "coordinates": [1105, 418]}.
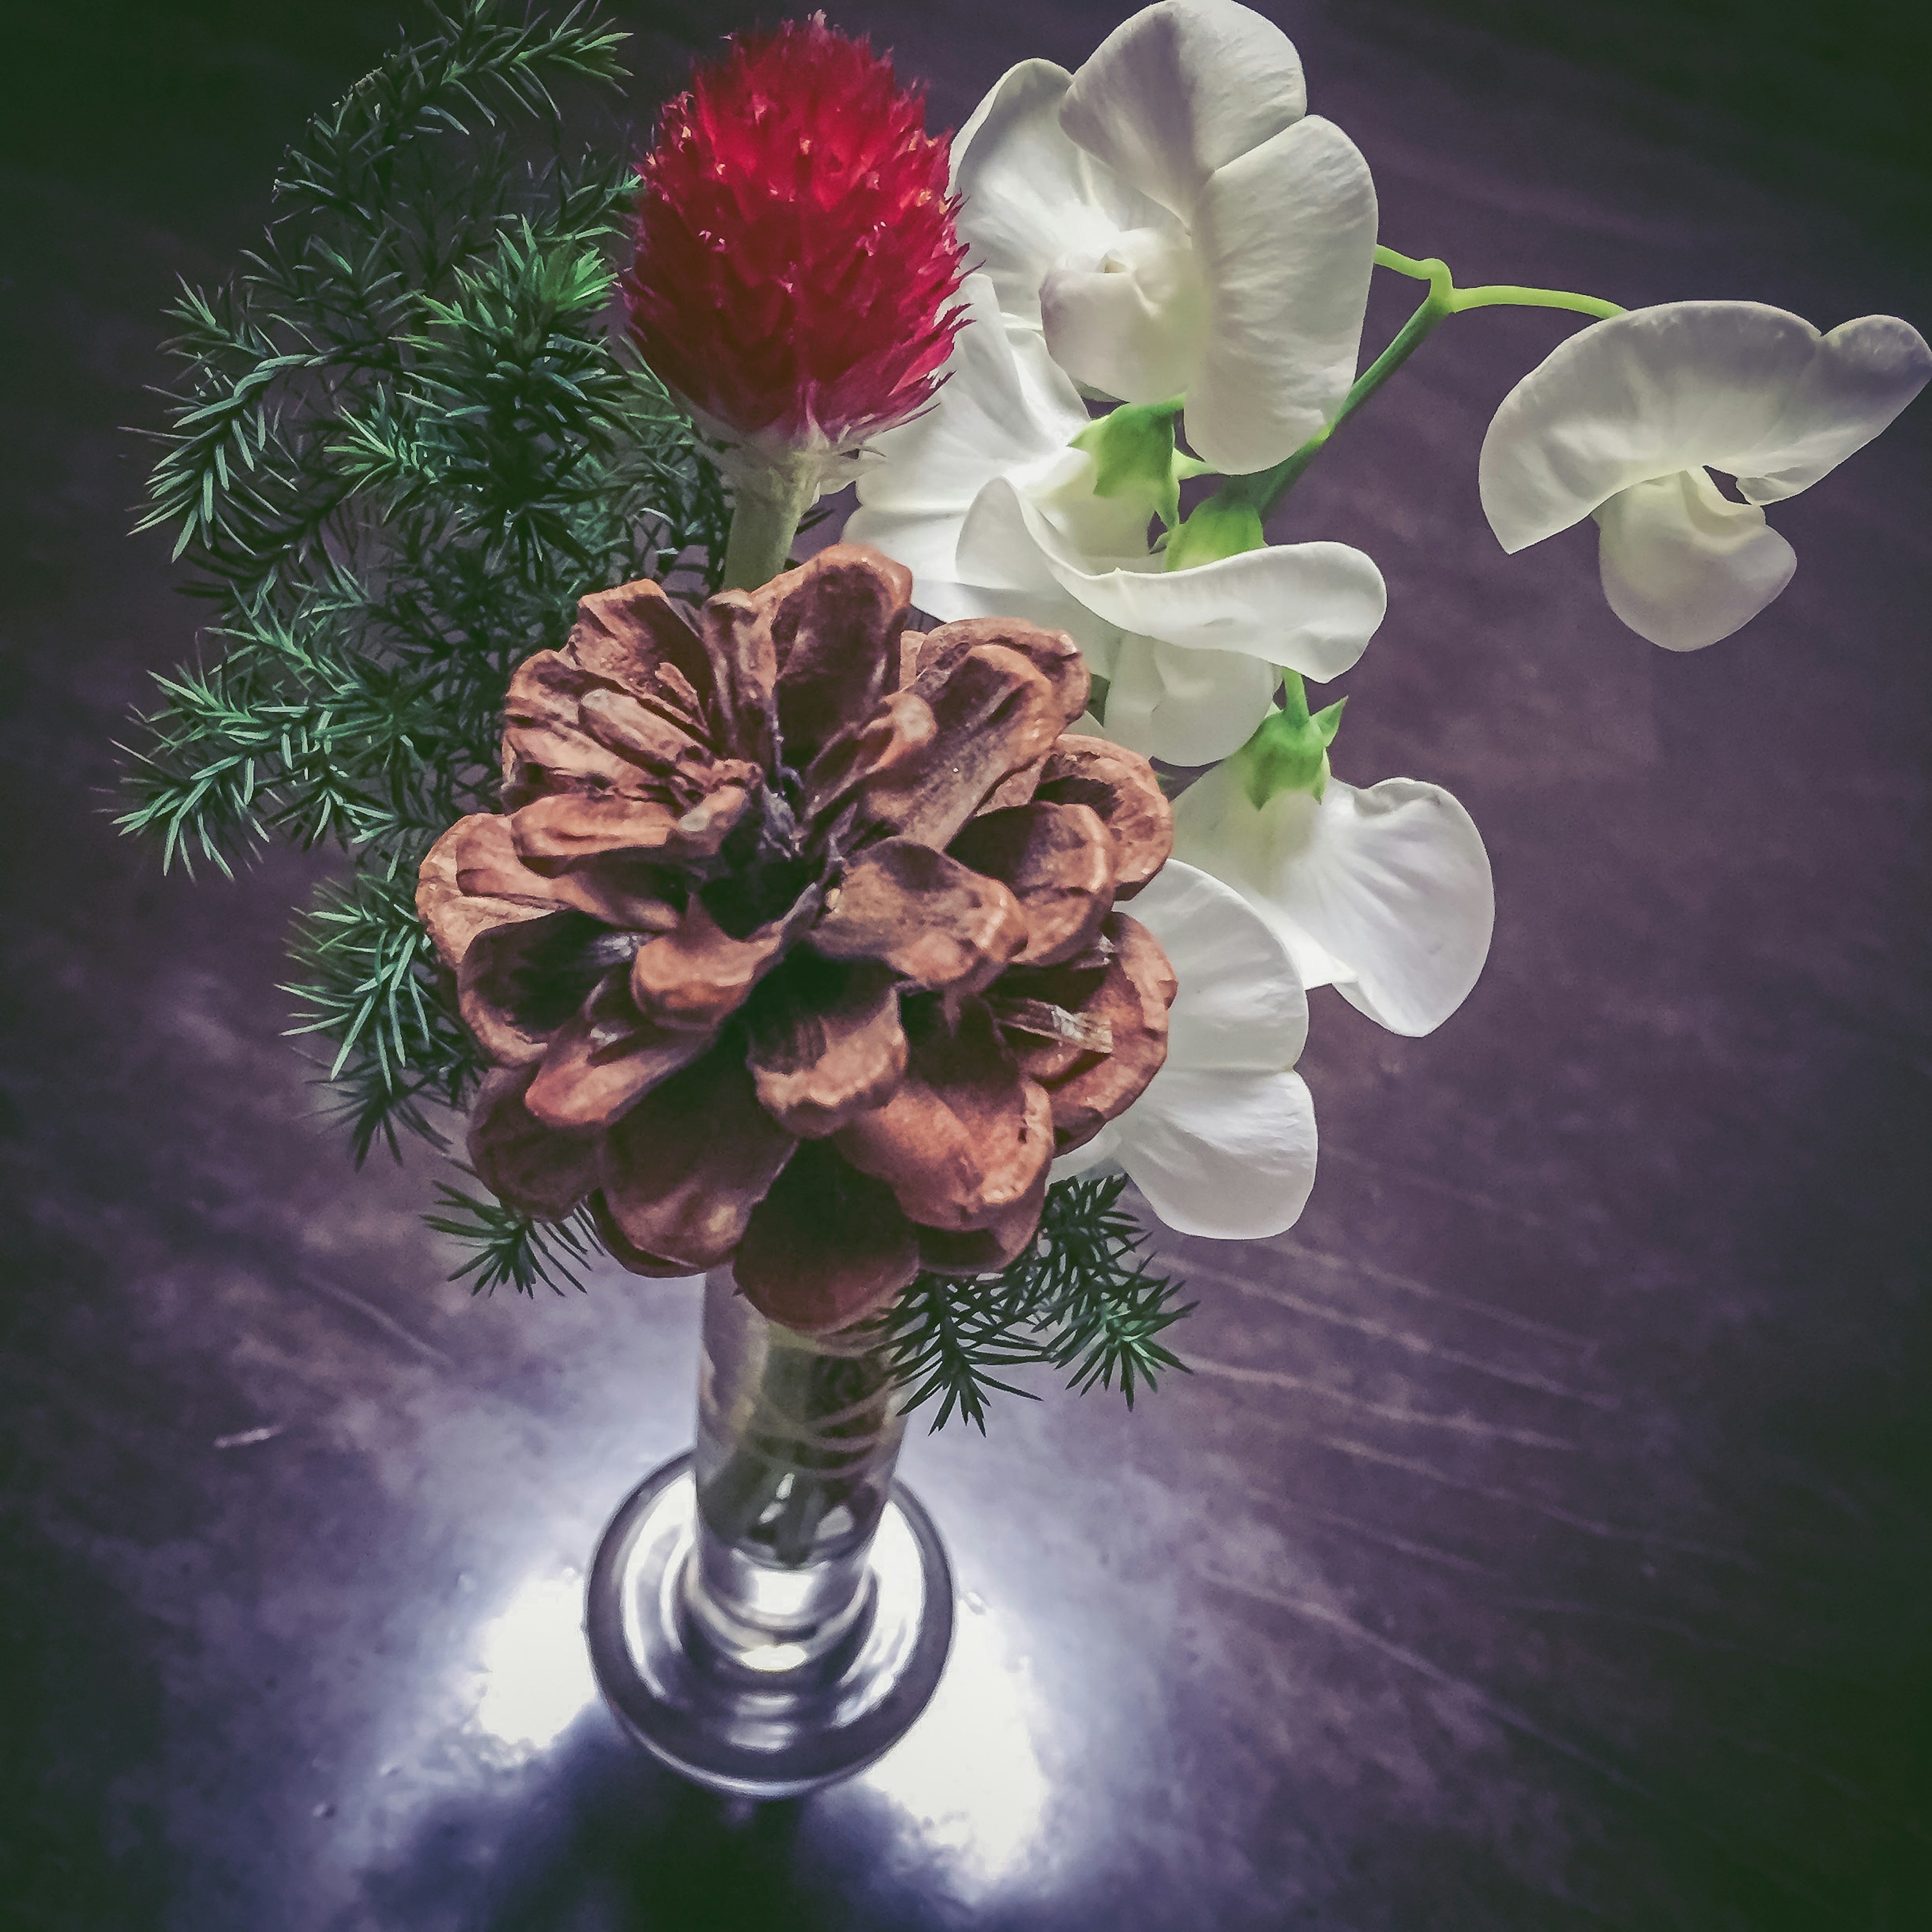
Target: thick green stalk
{"type": "Point", "coordinates": [768, 503]}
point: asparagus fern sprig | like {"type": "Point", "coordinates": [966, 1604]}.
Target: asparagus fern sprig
{"type": "Point", "coordinates": [1081, 1297]}
{"type": "Point", "coordinates": [405, 441]}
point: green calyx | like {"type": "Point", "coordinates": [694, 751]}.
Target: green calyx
{"type": "Point", "coordinates": [1134, 456]}
{"type": "Point", "coordinates": [1226, 525]}
{"type": "Point", "coordinates": [1289, 749]}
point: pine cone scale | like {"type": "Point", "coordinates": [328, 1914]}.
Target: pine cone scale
{"type": "Point", "coordinates": [606, 1058]}
{"type": "Point", "coordinates": [936, 923]}
{"type": "Point", "coordinates": [683, 1170]}
{"type": "Point", "coordinates": [827, 1246]}
{"type": "Point", "coordinates": [824, 1051]}
{"type": "Point", "coordinates": [967, 1135]}
{"type": "Point", "coordinates": [1057, 861]}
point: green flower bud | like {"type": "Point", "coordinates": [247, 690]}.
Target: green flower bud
{"type": "Point", "coordinates": [1289, 750]}
{"type": "Point", "coordinates": [1221, 527]}
{"type": "Point", "coordinates": [1134, 456]}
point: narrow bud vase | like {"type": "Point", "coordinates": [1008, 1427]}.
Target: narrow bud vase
{"type": "Point", "coordinates": [771, 1612]}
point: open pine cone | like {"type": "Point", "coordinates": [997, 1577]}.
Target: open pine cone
{"type": "Point", "coordinates": [794, 943]}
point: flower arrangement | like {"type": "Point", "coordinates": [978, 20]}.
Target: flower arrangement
{"type": "Point", "coordinates": [867, 923]}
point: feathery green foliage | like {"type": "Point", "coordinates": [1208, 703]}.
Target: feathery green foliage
{"type": "Point", "coordinates": [509, 1245]}
{"type": "Point", "coordinates": [406, 441]}
{"type": "Point", "coordinates": [1081, 1297]}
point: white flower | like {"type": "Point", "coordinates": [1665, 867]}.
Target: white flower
{"type": "Point", "coordinates": [1175, 222]}
{"type": "Point", "coordinates": [1223, 1142]}
{"type": "Point", "coordinates": [1385, 893]}
{"type": "Point", "coordinates": [984, 501]}
{"type": "Point", "coordinates": [1626, 420]}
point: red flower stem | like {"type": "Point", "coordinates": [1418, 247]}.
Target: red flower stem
{"type": "Point", "coordinates": [769, 503]}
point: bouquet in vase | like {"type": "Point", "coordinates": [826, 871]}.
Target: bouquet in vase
{"type": "Point", "coordinates": [854, 930]}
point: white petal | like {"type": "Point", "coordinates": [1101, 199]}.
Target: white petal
{"type": "Point", "coordinates": [1392, 884]}
{"type": "Point", "coordinates": [1130, 319]}
{"type": "Point", "coordinates": [1003, 407]}
{"type": "Point", "coordinates": [1286, 238]}
{"type": "Point", "coordinates": [1862, 375]}
{"type": "Point", "coordinates": [1134, 692]}
{"type": "Point", "coordinates": [1312, 606]}
{"type": "Point", "coordinates": [1750, 390]}
{"type": "Point", "coordinates": [1240, 1007]}
{"type": "Point", "coordinates": [1102, 1151]}
{"type": "Point", "coordinates": [1684, 566]}
{"type": "Point", "coordinates": [1188, 707]}
{"type": "Point", "coordinates": [1029, 194]}
{"type": "Point", "coordinates": [1003, 404]}
{"type": "Point", "coordinates": [1180, 89]}
{"type": "Point", "coordinates": [1229, 1156]}
{"type": "Point", "coordinates": [1003, 572]}
{"type": "Point", "coordinates": [925, 541]}
{"type": "Point", "coordinates": [1060, 488]}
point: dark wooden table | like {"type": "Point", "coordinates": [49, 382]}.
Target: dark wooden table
{"type": "Point", "coordinates": [1541, 1541]}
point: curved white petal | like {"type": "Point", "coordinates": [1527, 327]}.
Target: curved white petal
{"type": "Point", "coordinates": [1001, 571]}
{"type": "Point", "coordinates": [1859, 378]}
{"type": "Point", "coordinates": [1134, 692]}
{"type": "Point", "coordinates": [1312, 606]}
{"type": "Point", "coordinates": [1286, 238]}
{"type": "Point", "coordinates": [1227, 1155]}
{"type": "Point", "coordinates": [1003, 404]}
{"type": "Point", "coordinates": [1130, 319]}
{"type": "Point", "coordinates": [1188, 707]}
{"type": "Point", "coordinates": [1750, 390]}
{"type": "Point", "coordinates": [1028, 194]}
{"type": "Point", "coordinates": [1058, 492]}
{"type": "Point", "coordinates": [1391, 884]}
{"type": "Point", "coordinates": [1684, 566]}
{"type": "Point", "coordinates": [927, 542]}
{"type": "Point", "coordinates": [1240, 1008]}
{"type": "Point", "coordinates": [1180, 89]}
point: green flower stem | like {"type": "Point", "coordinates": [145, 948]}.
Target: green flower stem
{"type": "Point", "coordinates": [1265, 488]}
{"type": "Point", "coordinates": [768, 503]}
{"type": "Point", "coordinates": [810, 1444]}
{"type": "Point", "coordinates": [1494, 294]}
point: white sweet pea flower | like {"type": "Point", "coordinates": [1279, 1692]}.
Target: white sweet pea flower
{"type": "Point", "coordinates": [1223, 1142]}
{"type": "Point", "coordinates": [1625, 420]}
{"type": "Point", "coordinates": [983, 498]}
{"type": "Point", "coordinates": [1385, 893]}
{"type": "Point", "coordinates": [1176, 223]}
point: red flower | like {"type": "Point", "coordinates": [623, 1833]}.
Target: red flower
{"type": "Point", "coordinates": [796, 248]}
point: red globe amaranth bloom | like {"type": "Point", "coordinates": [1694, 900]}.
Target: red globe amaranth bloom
{"type": "Point", "coordinates": [795, 247]}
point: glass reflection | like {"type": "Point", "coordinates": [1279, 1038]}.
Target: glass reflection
{"type": "Point", "coordinates": [536, 1671]}
{"type": "Point", "coordinates": [967, 1776]}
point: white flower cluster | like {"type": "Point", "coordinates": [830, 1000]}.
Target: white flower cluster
{"type": "Point", "coordinates": [1170, 230]}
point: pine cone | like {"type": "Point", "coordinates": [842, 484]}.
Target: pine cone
{"type": "Point", "coordinates": [794, 945]}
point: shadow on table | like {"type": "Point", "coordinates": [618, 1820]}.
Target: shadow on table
{"type": "Point", "coordinates": [598, 1838]}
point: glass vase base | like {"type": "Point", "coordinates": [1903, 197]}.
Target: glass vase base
{"type": "Point", "coordinates": [793, 1723]}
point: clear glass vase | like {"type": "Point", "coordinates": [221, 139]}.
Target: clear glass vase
{"type": "Point", "coordinates": [772, 1611]}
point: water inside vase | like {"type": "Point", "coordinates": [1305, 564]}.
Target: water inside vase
{"type": "Point", "coordinates": [797, 1438]}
